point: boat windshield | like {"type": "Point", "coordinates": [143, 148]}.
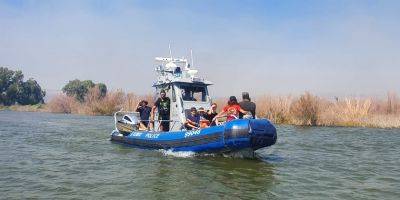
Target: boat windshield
{"type": "Point", "coordinates": [193, 93]}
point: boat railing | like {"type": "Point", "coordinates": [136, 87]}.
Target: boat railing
{"type": "Point", "coordinates": [152, 126]}
{"type": "Point", "coordinates": [149, 127]}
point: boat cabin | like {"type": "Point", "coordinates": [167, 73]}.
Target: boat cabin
{"type": "Point", "coordinates": [183, 87]}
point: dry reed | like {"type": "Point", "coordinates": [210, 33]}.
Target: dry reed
{"type": "Point", "coordinates": [312, 110]}
{"type": "Point", "coordinates": [94, 104]}
{"type": "Point", "coordinates": [62, 103]}
{"type": "Point", "coordinates": [307, 109]}
{"type": "Point", "coordinates": [274, 108]}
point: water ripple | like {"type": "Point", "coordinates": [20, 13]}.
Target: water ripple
{"type": "Point", "coordinates": [56, 156]}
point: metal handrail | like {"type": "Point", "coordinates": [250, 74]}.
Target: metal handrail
{"type": "Point", "coordinates": [157, 120]}
{"type": "Point", "coordinates": [140, 120]}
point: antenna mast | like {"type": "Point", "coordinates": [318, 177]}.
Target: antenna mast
{"type": "Point", "coordinates": [170, 51]}
{"type": "Point", "coordinates": [191, 56]}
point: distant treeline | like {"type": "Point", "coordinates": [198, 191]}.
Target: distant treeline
{"type": "Point", "coordinates": [89, 98]}
{"type": "Point", "coordinates": [14, 90]}
{"type": "Point", "coordinates": [80, 89]}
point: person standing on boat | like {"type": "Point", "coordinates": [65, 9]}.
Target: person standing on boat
{"type": "Point", "coordinates": [231, 110]}
{"type": "Point", "coordinates": [247, 105]}
{"type": "Point", "coordinates": [144, 112]}
{"type": "Point", "coordinates": [163, 104]}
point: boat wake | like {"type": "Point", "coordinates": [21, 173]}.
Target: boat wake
{"type": "Point", "coordinates": [246, 154]}
{"type": "Point", "coordinates": [178, 154]}
{"type": "Point", "coordinates": [185, 154]}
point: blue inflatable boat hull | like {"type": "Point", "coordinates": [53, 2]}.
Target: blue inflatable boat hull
{"type": "Point", "coordinates": [232, 136]}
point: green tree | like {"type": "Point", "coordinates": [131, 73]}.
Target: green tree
{"type": "Point", "coordinates": [6, 78]}
{"type": "Point", "coordinates": [30, 93]}
{"type": "Point", "coordinates": [13, 89]}
{"type": "Point", "coordinates": [103, 89]}
{"type": "Point", "coordinates": [79, 89]}
{"type": "Point", "coordinates": [11, 94]}
{"type": "Point", "coordinates": [88, 84]}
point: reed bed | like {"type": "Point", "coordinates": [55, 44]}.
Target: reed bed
{"type": "Point", "coordinates": [305, 110]}
{"type": "Point", "coordinates": [311, 110]}
{"type": "Point", "coordinates": [94, 104]}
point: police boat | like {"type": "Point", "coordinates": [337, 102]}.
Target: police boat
{"type": "Point", "coordinates": [186, 90]}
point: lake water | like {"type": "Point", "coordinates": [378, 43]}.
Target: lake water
{"type": "Point", "coordinates": [57, 156]}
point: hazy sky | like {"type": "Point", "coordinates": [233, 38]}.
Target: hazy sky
{"type": "Point", "coordinates": [281, 47]}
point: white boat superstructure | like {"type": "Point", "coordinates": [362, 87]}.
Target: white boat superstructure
{"type": "Point", "coordinates": [183, 86]}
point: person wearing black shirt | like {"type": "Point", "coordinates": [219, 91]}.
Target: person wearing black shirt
{"type": "Point", "coordinates": [163, 105]}
{"type": "Point", "coordinates": [247, 105]}
{"type": "Point", "coordinates": [144, 112]}
{"type": "Point", "coordinates": [211, 114]}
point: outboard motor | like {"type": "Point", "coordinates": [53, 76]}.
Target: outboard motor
{"type": "Point", "coordinates": [127, 124]}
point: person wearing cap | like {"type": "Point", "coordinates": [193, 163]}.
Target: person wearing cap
{"type": "Point", "coordinates": [163, 104]}
{"type": "Point", "coordinates": [204, 122]}
{"type": "Point", "coordinates": [247, 105]}
{"type": "Point", "coordinates": [231, 110]}
{"type": "Point", "coordinates": [193, 120]}
{"type": "Point", "coordinates": [144, 112]}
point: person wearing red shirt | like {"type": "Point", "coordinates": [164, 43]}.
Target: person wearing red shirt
{"type": "Point", "coordinates": [231, 110]}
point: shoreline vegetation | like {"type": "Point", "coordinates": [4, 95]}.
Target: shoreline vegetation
{"type": "Point", "coordinates": [304, 110]}
{"type": "Point", "coordinates": [311, 110]}
{"type": "Point", "coordinates": [89, 98]}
